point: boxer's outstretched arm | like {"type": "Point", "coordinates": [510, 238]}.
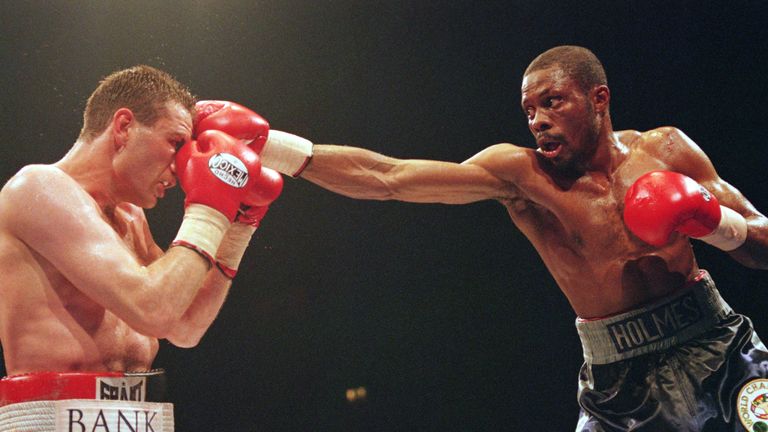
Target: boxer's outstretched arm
{"type": "Point", "coordinates": [53, 216]}
{"type": "Point", "coordinates": [364, 174]}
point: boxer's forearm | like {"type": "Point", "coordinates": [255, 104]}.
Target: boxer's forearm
{"type": "Point", "coordinates": [191, 327]}
{"type": "Point", "coordinates": [351, 171]}
{"type": "Point", "coordinates": [754, 252]}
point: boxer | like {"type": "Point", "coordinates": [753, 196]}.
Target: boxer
{"type": "Point", "coordinates": [86, 292]}
{"type": "Point", "coordinates": [611, 213]}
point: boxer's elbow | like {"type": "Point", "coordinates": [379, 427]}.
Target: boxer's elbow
{"type": "Point", "coordinates": [154, 321]}
{"type": "Point", "coordinates": [185, 343]}
{"type": "Point", "coordinates": [146, 311]}
{"type": "Point", "coordinates": [185, 332]}
{"type": "Point", "coordinates": [184, 338]}
{"type": "Point", "coordinates": [155, 316]}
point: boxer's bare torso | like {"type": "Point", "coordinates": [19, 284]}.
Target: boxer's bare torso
{"type": "Point", "coordinates": [577, 227]}
{"type": "Point", "coordinates": [46, 323]}
{"type": "Point", "coordinates": [574, 221]}
{"type": "Point", "coordinates": [566, 196]}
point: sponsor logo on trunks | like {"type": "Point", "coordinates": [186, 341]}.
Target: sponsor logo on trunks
{"type": "Point", "coordinates": [752, 405]}
{"type": "Point", "coordinates": [229, 169]}
{"type": "Point", "coordinates": [656, 324]}
{"type": "Point", "coordinates": [121, 388]}
{"type": "Point", "coordinates": [100, 416]}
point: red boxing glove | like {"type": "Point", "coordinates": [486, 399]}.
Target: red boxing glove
{"type": "Point", "coordinates": [661, 202]}
{"type": "Point", "coordinates": [217, 171]}
{"type": "Point", "coordinates": [287, 153]}
{"type": "Point", "coordinates": [264, 191]}
{"type": "Point", "coordinates": [266, 188]}
{"type": "Point", "coordinates": [232, 118]}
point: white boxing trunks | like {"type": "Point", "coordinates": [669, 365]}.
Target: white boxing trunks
{"type": "Point", "coordinates": [85, 401]}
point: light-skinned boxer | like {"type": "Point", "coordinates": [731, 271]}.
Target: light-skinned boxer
{"type": "Point", "coordinates": [86, 292]}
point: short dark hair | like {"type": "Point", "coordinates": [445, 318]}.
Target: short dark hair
{"type": "Point", "coordinates": [142, 89]}
{"type": "Point", "coordinates": [577, 62]}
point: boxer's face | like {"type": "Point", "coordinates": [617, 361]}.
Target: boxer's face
{"type": "Point", "coordinates": [147, 168]}
{"type": "Point", "coordinates": [560, 117]}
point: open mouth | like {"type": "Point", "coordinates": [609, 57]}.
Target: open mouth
{"type": "Point", "coordinates": [550, 149]}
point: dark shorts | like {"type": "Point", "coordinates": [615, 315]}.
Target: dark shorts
{"type": "Point", "coordinates": [688, 363]}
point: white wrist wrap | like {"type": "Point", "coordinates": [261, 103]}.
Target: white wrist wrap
{"type": "Point", "coordinates": [202, 229]}
{"type": "Point", "coordinates": [730, 233]}
{"type": "Point", "coordinates": [233, 246]}
{"type": "Point", "coordinates": [286, 153]}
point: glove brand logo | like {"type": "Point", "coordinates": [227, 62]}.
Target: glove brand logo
{"type": "Point", "coordinates": [705, 193]}
{"type": "Point", "coordinates": [752, 405]}
{"type": "Point", "coordinates": [229, 169]}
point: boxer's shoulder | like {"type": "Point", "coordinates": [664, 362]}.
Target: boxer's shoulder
{"type": "Point", "coordinates": [37, 191]}
{"type": "Point", "coordinates": [503, 158]}
{"type": "Point", "coordinates": [653, 139]}
{"type": "Point", "coordinates": [26, 185]}
{"type": "Point", "coordinates": [629, 137]}
{"type": "Point", "coordinates": [38, 176]}
{"type": "Point", "coordinates": [668, 145]}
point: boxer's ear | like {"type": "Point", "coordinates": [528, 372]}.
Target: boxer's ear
{"type": "Point", "coordinates": [121, 123]}
{"type": "Point", "coordinates": [601, 98]}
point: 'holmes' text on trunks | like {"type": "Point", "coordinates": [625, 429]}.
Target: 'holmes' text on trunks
{"type": "Point", "coordinates": [656, 324]}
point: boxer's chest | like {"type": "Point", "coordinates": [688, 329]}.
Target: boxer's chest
{"type": "Point", "coordinates": [582, 219]}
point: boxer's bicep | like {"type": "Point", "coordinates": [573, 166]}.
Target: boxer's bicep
{"type": "Point", "coordinates": [426, 181]}
{"type": "Point", "coordinates": [689, 159]}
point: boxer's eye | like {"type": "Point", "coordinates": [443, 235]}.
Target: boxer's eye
{"type": "Point", "coordinates": [177, 144]}
{"type": "Point", "coordinates": [553, 101]}
{"type": "Point", "coordinates": [529, 112]}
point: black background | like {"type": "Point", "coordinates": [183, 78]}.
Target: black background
{"type": "Point", "coordinates": [445, 314]}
